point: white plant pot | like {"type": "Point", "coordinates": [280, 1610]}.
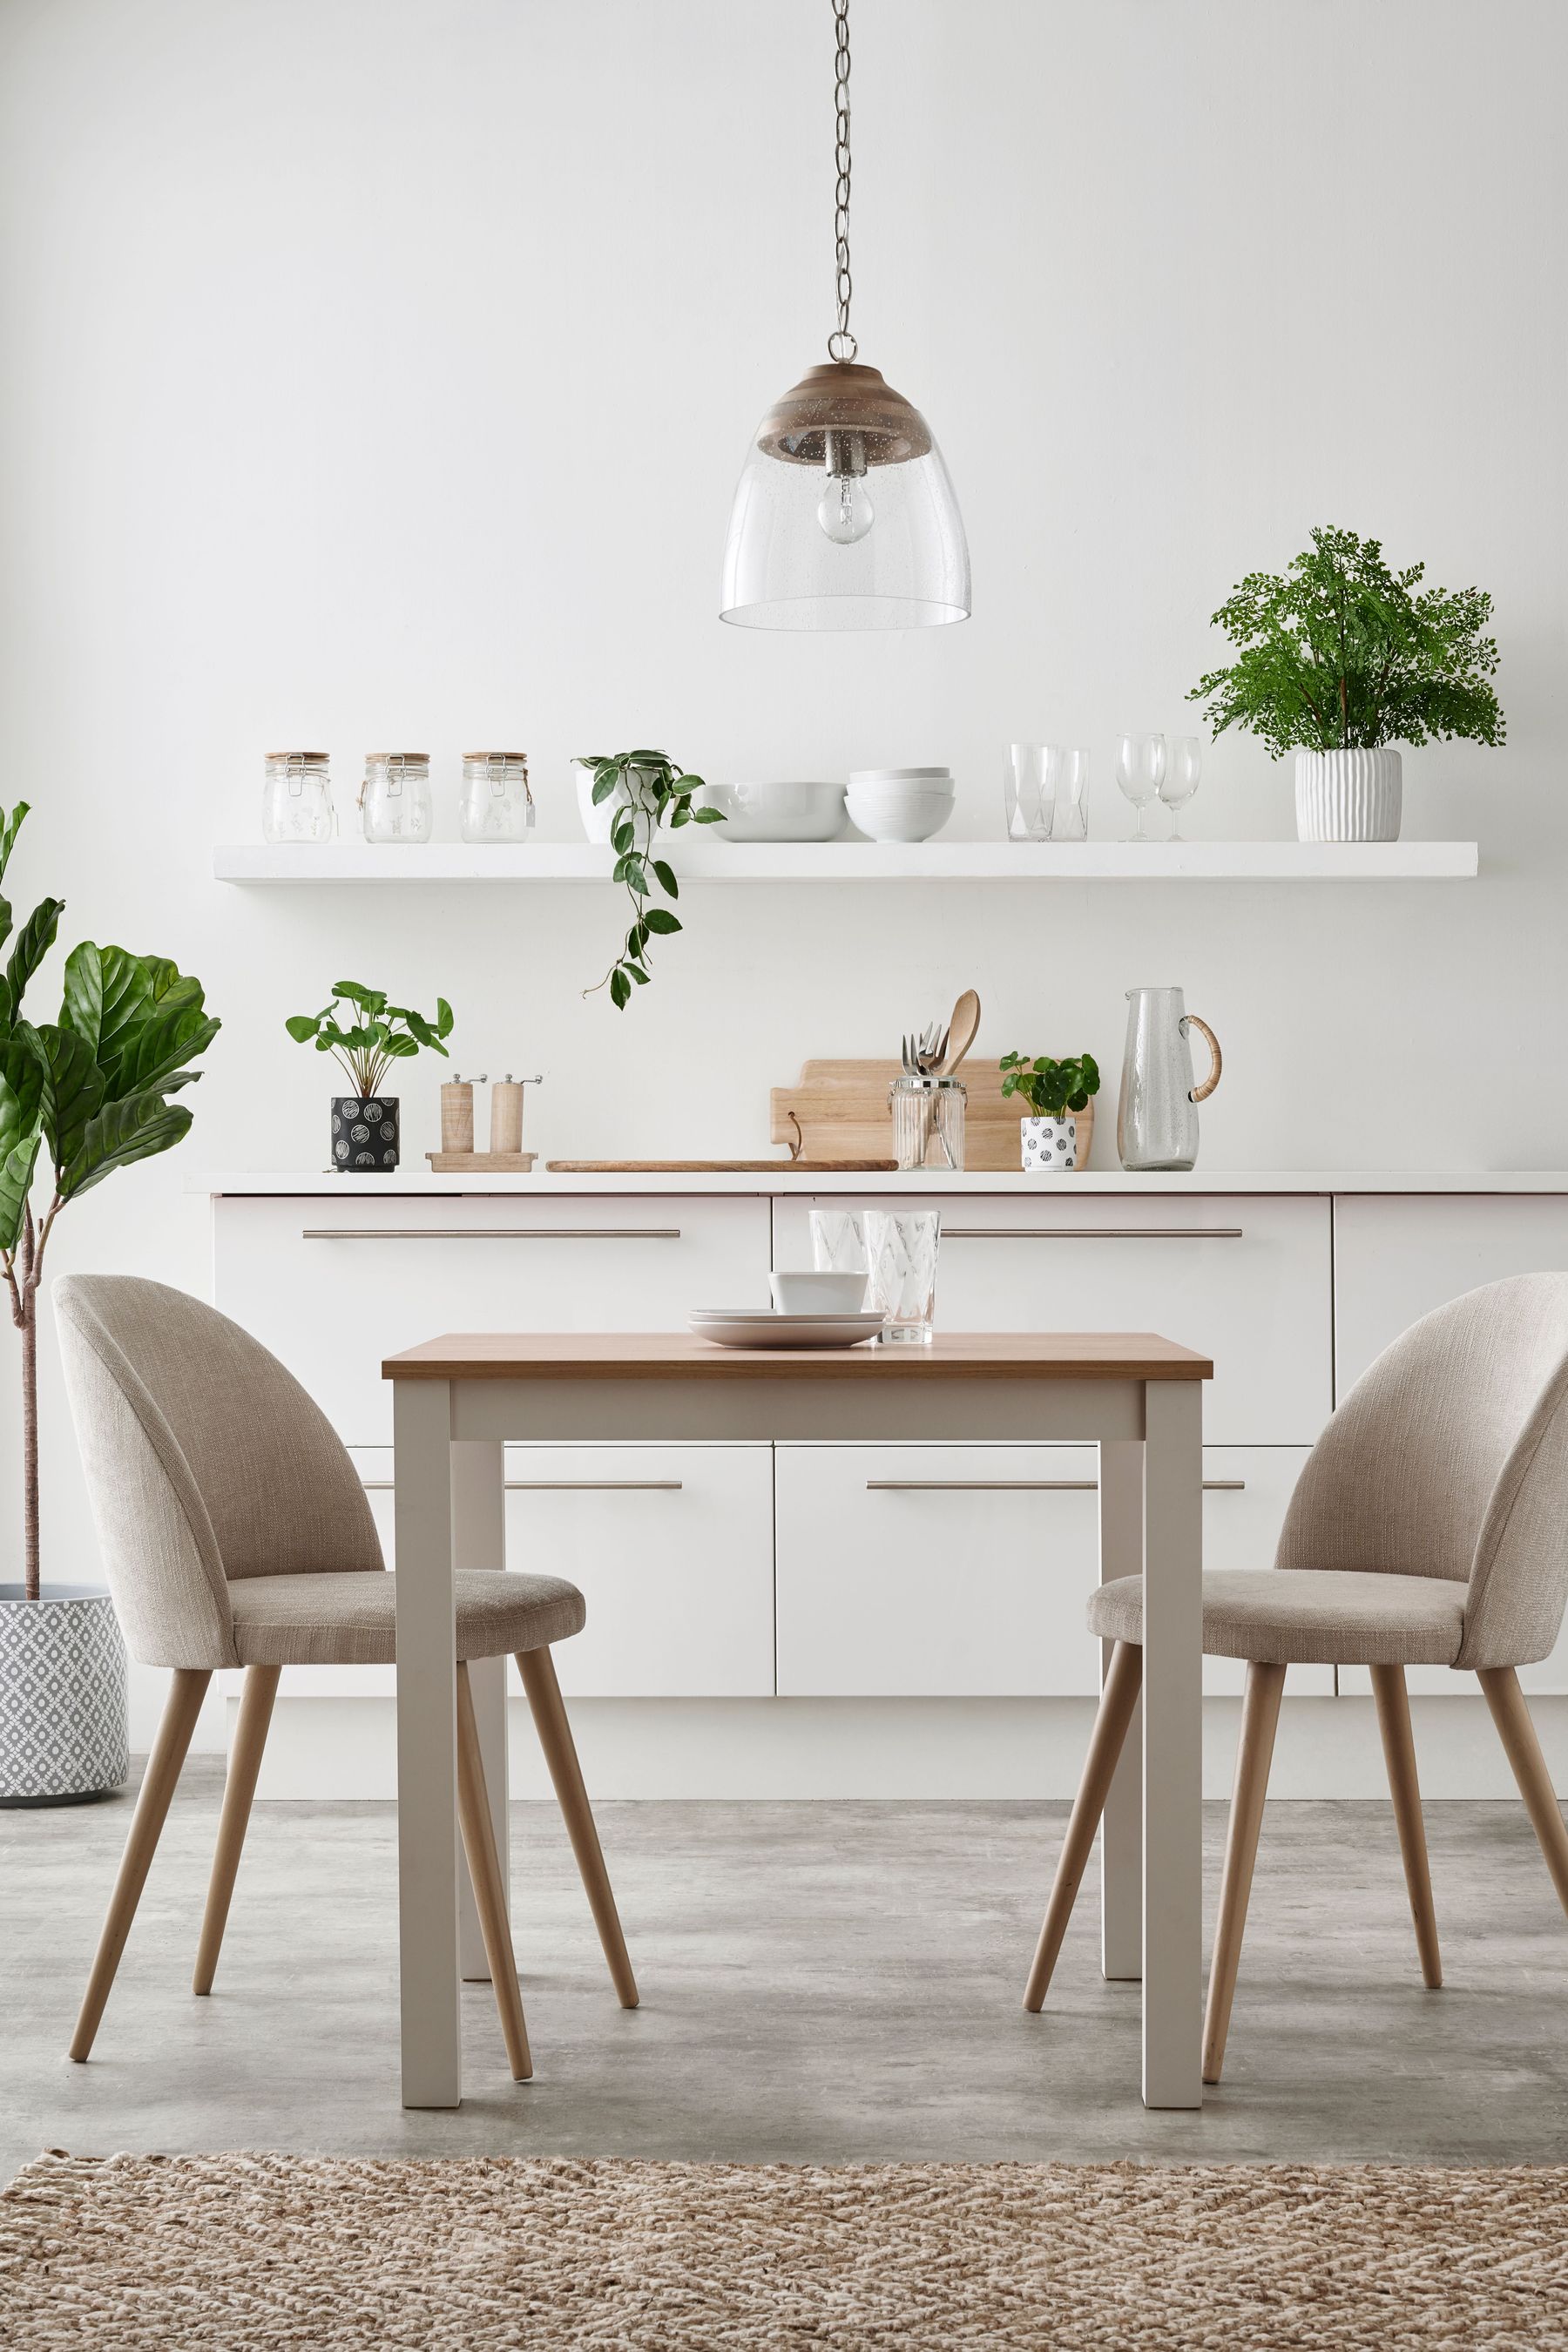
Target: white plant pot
{"type": "Point", "coordinates": [63, 1732]}
{"type": "Point", "coordinates": [1348, 795]}
{"type": "Point", "coordinates": [1048, 1146]}
{"type": "Point", "coordinates": [598, 823]}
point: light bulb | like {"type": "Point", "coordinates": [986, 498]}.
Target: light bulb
{"type": "Point", "coordinates": [846, 512]}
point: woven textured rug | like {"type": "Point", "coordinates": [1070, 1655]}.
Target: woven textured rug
{"type": "Point", "coordinates": [124, 2252]}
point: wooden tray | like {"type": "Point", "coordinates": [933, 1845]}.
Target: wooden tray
{"type": "Point", "coordinates": [481, 1163]}
{"type": "Point", "coordinates": [718, 1167]}
{"type": "Point", "coordinates": [838, 1109]}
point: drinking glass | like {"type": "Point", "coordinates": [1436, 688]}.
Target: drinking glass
{"type": "Point", "coordinates": [901, 1246]}
{"type": "Point", "coordinates": [1139, 772]}
{"type": "Point", "coordinates": [1028, 790]}
{"type": "Point", "coordinates": [1070, 819]}
{"type": "Point", "coordinates": [1180, 781]}
{"type": "Point", "coordinates": [837, 1242]}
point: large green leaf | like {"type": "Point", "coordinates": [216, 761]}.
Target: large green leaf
{"type": "Point", "coordinates": [34, 941]}
{"type": "Point", "coordinates": [127, 992]}
{"type": "Point", "coordinates": [10, 826]}
{"type": "Point", "coordinates": [137, 1128]}
{"type": "Point", "coordinates": [161, 1046]}
{"type": "Point", "coordinates": [73, 1089]}
{"type": "Point", "coordinates": [21, 1131]}
{"type": "Point", "coordinates": [81, 1008]}
{"type": "Point", "coordinates": [168, 985]}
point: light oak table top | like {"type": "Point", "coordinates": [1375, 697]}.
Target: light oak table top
{"type": "Point", "coordinates": [678, 1355]}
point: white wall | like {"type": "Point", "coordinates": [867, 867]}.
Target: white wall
{"type": "Point", "coordinates": [376, 374]}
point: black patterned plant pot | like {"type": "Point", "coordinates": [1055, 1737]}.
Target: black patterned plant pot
{"type": "Point", "coordinates": [364, 1134]}
{"type": "Point", "coordinates": [63, 1733]}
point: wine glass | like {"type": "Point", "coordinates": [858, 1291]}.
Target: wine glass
{"type": "Point", "coordinates": [1180, 782]}
{"type": "Point", "coordinates": [1139, 772]}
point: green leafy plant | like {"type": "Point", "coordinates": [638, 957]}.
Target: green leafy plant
{"type": "Point", "coordinates": [655, 792]}
{"type": "Point", "coordinates": [373, 1035]}
{"type": "Point", "coordinates": [80, 1096]}
{"type": "Point", "coordinates": [1050, 1088]}
{"type": "Point", "coordinates": [1339, 653]}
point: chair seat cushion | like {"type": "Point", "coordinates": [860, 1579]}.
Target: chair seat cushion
{"type": "Point", "coordinates": [1294, 1616]}
{"type": "Point", "coordinates": [349, 1618]}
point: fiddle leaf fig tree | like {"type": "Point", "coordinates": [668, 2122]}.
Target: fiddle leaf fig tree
{"type": "Point", "coordinates": [81, 1096]}
{"type": "Point", "coordinates": [652, 790]}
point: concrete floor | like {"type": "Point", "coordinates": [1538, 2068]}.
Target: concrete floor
{"type": "Point", "coordinates": [830, 1982]}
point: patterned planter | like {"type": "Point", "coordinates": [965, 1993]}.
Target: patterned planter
{"type": "Point", "coordinates": [364, 1134]}
{"type": "Point", "coordinates": [1048, 1146]}
{"type": "Point", "coordinates": [1348, 795]}
{"type": "Point", "coordinates": [63, 1733]}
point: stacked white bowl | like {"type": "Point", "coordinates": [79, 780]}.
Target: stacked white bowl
{"type": "Point", "coordinates": [900, 803]}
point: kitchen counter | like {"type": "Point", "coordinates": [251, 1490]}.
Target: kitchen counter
{"type": "Point", "coordinates": [1112, 1182]}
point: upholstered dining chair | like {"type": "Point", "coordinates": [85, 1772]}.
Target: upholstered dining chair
{"type": "Point", "coordinates": [235, 1533]}
{"type": "Point", "coordinates": [1428, 1527]}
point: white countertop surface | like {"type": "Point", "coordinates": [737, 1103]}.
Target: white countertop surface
{"type": "Point", "coordinates": [406, 1183]}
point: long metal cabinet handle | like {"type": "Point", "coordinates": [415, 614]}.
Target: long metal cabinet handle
{"type": "Point", "coordinates": [1018, 1486]}
{"type": "Point", "coordinates": [490, 1234]}
{"type": "Point", "coordinates": [562, 1485]}
{"type": "Point", "coordinates": [1092, 1233]}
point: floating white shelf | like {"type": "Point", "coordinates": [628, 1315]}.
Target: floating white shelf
{"type": "Point", "coordinates": [867, 861]}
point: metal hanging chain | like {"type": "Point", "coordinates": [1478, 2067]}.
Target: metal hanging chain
{"type": "Point", "coordinates": [841, 343]}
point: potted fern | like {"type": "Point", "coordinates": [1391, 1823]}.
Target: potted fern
{"type": "Point", "coordinates": [1339, 658]}
{"type": "Point", "coordinates": [79, 1097]}
{"type": "Point", "coordinates": [1058, 1094]}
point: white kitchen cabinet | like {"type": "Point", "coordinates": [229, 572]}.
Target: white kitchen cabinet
{"type": "Point", "coordinates": [1247, 1280]}
{"type": "Point", "coordinates": [1399, 1254]}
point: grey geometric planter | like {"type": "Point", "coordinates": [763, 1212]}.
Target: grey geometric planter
{"type": "Point", "coordinates": [364, 1135]}
{"type": "Point", "coordinates": [63, 1730]}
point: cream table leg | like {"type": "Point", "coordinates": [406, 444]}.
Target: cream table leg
{"type": "Point", "coordinates": [479, 1540]}
{"type": "Point", "coordinates": [1173, 1743]}
{"type": "Point", "coordinates": [1122, 1839]}
{"type": "Point", "coordinates": [426, 1746]}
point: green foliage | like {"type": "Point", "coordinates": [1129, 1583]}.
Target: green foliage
{"type": "Point", "coordinates": [1050, 1088]}
{"type": "Point", "coordinates": [373, 1035]}
{"type": "Point", "coordinates": [658, 792]}
{"type": "Point", "coordinates": [1340, 654]}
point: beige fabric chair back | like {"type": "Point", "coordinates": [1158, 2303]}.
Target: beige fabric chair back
{"type": "Point", "coordinates": [1450, 1457]}
{"type": "Point", "coordinates": [205, 1461]}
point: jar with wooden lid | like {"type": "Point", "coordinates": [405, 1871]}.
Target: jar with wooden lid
{"type": "Point", "coordinates": [394, 798]}
{"type": "Point", "coordinates": [497, 805]}
{"type": "Point", "coordinates": [297, 798]}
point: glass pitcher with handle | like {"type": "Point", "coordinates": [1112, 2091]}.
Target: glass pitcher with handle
{"type": "Point", "coordinates": [1157, 1118]}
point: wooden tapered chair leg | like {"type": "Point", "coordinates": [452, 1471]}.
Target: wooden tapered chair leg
{"type": "Point", "coordinates": [1399, 1755]}
{"type": "Point", "coordinates": [1117, 1701]}
{"type": "Point", "coordinates": [484, 1871]}
{"type": "Point", "coordinates": [187, 1690]}
{"type": "Point", "coordinates": [1522, 1749]}
{"type": "Point", "coordinates": [1260, 1721]}
{"type": "Point", "coordinates": [238, 1790]}
{"type": "Point", "coordinates": [549, 1710]}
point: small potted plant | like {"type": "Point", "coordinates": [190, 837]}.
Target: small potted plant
{"type": "Point", "coordinates": [633, 793]}
{"type": "Point", "coordinates": [1339, 659]}
{"type": "Point", "coordinates": [366, 1040]}
{"type": "Point", "coordinates": [1056, 1092]}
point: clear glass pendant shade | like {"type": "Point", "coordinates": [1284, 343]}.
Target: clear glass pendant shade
{"type": "Point", "coordinates": [844, 516]}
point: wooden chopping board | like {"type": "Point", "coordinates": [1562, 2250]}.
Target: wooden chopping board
{"type": "Point", "coordinates": [718, 1167]}
{"type": "Point", "coordinates": [838, 1110]}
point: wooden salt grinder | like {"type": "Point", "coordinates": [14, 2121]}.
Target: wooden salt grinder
{"type": "Point", "coordinates": [506, 1114]}
{"type": "Point", "coordinates": [457, 1114]}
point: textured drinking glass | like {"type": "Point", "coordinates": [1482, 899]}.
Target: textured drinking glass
{"type": "Point", "coordinates": [837, 1242]}
{"type": "Point", "coordinates": [1070, 821]}
{"type": "Point", "coordinates": [1028, 790]}
{"type": "Point", "coordinates": [901, 1246]}
{"type": "Point", "coordinates": [1180, 782]}
{"type": "Point", "coordinates": [1139, 772]}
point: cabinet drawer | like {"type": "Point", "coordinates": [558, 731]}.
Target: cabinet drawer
{"type": "Point", "coordinates": [1246, 1281]}
{"type": "Point", "coordinates": [334, 1286]}
{"type": "Point", "coordinates": [1398, 1256]}
{"type": "Point", "coordinates": [964, 1571]}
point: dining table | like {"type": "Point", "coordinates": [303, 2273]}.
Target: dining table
{"type": "Point", "coordinates": [459, 1399]}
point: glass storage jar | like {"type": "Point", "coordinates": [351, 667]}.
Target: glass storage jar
{"type": "Point", "coordinates": [394, 798]}
{"type": "Point", "coordinates": [496, 803]}
{"type": "Point", "coordinates": [297, 798]}
{"type": "Point", "coordinates": [928, 1122]}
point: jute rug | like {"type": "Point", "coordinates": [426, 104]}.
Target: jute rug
{"type": "Point", "coordinates": [126, 2252]}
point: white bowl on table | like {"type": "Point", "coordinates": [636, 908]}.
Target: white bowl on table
{"type": "Point", "coordinates": [818, 1294]}
{"type": "Point", "coordinates": [782, 812]}
{"type": "Point", "coordinates": [900, 812]}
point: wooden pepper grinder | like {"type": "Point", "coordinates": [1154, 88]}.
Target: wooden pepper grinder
{"type": "Point", "coordinates": [506, 1112]}
{"type": "Point", "coordinates": [457, 1114]}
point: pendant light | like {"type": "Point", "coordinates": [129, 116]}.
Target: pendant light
{"type": "Point", "coordinates": [844, 516]}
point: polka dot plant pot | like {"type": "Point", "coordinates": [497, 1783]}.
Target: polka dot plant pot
{"type": "Point", "coordinates": [1048, 1146]}
{"type": "Point", "coordinates": [364, 1135]}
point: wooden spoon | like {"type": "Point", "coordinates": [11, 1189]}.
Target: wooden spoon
{"type": "Point", "coordinates": [961, 1031]}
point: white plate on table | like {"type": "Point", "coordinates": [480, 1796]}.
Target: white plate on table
{"type": "Point", "coordinates": [758, 1327]}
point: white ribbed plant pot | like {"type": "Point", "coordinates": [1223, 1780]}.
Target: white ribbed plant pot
{"type": "Point", "coordinates": [63, 1731]}
{"type": "Point", "coordinates": [598, 822]}
{"type": "Point", "coordinates": [1348, 795]}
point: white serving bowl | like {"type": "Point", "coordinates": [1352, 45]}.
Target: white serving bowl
{"type": "Point", "coordinates": [818, 1294]}
{"type": "Point", "coordinates": [920, 777]}
{"type": "Point", "coordinates": [788, 812]}
{"type": "Point", "coordinates": [911, 816]}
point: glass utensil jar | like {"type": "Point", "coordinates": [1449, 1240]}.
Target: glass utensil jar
{"type": "Point", "coordinates": [902, 1247]}
{"type": "Point", "coordinates": [496, 803]}
{"type": "Point", "coordinates": [928, 1122]}
{"type": "Point", "coordinates": [394, 798]}
{"type": "Point", "coordinates": [296, 797]}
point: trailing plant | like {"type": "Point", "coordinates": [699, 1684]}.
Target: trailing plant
{"type": "Point", "coordinates": [657, 792]}
{"type": "Point", "coordinates": [1339, 653]}
{"type": "Point", "coordinates": [377, 1033]}
{"type": "Point", "coordinates": [1050, 1088]}
{"type": "Point", "coordinates": [80, 1096]}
